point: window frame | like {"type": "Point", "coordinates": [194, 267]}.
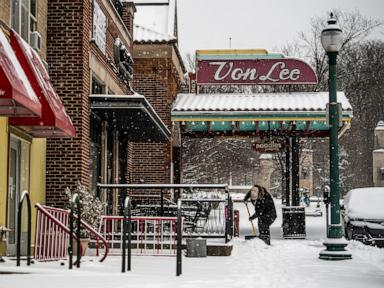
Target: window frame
{"type": "Point", "coordinates": [99, 33]}
{"type": "Point", "coordinates": [17, 18]}
{"type": "Point", "coordinates": [96, 81]}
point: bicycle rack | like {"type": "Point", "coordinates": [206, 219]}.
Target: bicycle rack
{"type": "Point", "coordinates": [127, 218]}
{"type": "Point", "coordinates": [228, 230]}
{"type": "Point", "coordinates": [25, 195]}
{"type": "Point", "coordinates": [179, 239]}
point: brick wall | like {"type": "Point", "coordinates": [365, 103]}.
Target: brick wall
{"type": "Point", "coordinates": [128, 15]}
{"type": "Point", "coordinates": [154, 79]}
{"type": "Point", "coordinates": [42, 10]}
{"type": "Point", "coordinates": [69, 50]}
{"type": "Point", "coordinates": [129, 170]}
{"type": "Point", "coordinates": [151, 163]}
{"type": "Point", "coordinates": [69, 26]}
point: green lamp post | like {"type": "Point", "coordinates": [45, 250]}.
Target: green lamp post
{"type": "Point", "coordinates": [332, 39]}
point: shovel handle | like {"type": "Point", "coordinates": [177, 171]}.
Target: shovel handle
{"type": "Point", "coordinates": [249, 214]}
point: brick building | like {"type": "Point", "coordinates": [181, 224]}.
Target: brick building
{"type": "Point", "coordinates": [120, 133]}
{"type": "Point", "coordinates": [30, 111]}
{"type": "Point", "coordinates": [159, 73]}
{"type": "Point", "coordinates": [80, 63]}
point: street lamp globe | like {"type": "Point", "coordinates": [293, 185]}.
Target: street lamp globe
{"type": "Point", "coordinates": [332, 36]}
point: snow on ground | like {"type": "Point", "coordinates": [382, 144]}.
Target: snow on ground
{"type": "Point", "coordinates": [286, 263]}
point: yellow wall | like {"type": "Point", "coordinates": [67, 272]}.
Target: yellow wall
{"type": "Point", "coordinates": [3, 169]}
{"type": "Point", "coordinates": [3, 175]}
{"type": "Point", "coordinates": [37, 177]}
{"type": "Point", "coordinates": [36, 180]}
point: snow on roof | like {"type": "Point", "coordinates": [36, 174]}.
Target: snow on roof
{"type": "Point", "coordinates": [300, 101]}
{"type": "Point", "coordinates": [381, 150]}
{"type": "Point", "coordinates": [380, 125]}
{"type": "Point", "coordinates": [159, 16]}
{"type": "Point", "coordinates": [365, 203]}
{"type": "Point", "coordinates": [145, 35]}
{"type": "Point", "coordinates": [266, 156]}
{"type": "Point", "coordinates": [307, 150]}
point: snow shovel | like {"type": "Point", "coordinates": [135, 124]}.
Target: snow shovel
{"type": "Point", "coordinates": [249, 237]}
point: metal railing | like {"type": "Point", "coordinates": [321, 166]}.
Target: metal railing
{"type": "Point", "coordinates": [25, 195]}
{"type": "Point", "coordinates": [52, 234]}
{"type": "Point", "coordinates": [179, 210]}
{"type": "Point", "coordinates": [51, 238]}
{"type": "Point", "coordinates": [149, 235]}
{"type": "Point", "coordinates": [207, 218]}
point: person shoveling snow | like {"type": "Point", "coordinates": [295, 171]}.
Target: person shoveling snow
{"type": "Point", "coordinates": [265, 210]}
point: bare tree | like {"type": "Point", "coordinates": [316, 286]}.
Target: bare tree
{"type": "Point", "coordinates": [356, 28]}
{"type": "Point", "coordinates": [360, 68]}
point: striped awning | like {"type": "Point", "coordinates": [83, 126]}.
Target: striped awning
{"type": "Point", "coordinates": [256, 112]}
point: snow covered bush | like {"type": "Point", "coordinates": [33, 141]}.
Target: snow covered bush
{"type": "Point", "coordinates": [91, 208]}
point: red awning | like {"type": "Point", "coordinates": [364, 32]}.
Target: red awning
{"type": "Point", "coordinates": [17, 97]}
{"type": "Point", "coordinates": [54, 121]}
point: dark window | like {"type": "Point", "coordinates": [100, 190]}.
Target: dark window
{"type": "Point", "coordinates": [97, 87]}
{"type": "Point", "coordinates": [33, 15]}
{"type": "Point", "coordinates": [118, 6]}
{"type": "Point", "coordinates": [94, 153]}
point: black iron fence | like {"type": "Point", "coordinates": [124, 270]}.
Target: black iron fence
{"type": "Point", "coordinates": [207, 209]}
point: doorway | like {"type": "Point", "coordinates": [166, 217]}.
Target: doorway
{"type": "Point", "coordinates": [18, 181]}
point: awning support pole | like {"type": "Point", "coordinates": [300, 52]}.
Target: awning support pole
{"type": "Point", "coordinates": [295, 169]}
{"type": "Point", "coordinates": [287, 170]}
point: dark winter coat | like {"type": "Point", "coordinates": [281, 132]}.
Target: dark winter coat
{"type": "Point", "coordinates": [264, 208]}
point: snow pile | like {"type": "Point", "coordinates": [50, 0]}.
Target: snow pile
{"type": "Point", "coordinates": [365, 203]}
{"type": "Point", "coordinates": [284, 264]}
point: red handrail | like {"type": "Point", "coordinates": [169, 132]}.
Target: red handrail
{"type": "Point", "coordinates": [66, 229]}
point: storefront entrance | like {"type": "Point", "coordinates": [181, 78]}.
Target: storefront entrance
{"type": "Point", "coordinates": [116, 121]}
{"type": "Point", "coordinates": [18, 181]}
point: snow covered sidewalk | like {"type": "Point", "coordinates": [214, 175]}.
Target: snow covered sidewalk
{"type": "Point", "coordinates": [286, 263]}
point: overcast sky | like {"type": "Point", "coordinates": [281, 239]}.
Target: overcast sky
{"type": "Point", "coordinates": [269, 24]}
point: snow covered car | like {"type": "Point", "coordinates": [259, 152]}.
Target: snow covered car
{"type": "Point", "coordinates": [363, 211]}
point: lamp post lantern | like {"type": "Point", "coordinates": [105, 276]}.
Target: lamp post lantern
{"type": "Point", "coordinates": [332, 39]}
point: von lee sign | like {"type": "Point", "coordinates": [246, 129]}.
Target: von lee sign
{"type": "Point", "coordinates": [253, 72]}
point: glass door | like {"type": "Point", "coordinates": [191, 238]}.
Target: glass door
{"type": "Point", "coordinates": [19, 154]}
{"type": "Point", "coordinates": [13, 193]}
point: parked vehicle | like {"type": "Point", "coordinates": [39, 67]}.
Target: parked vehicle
{"type": "Point", "coordinates": [363, 213]}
